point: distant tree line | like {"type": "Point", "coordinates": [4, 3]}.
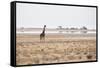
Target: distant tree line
{"type": "Point", "coordinates": [60, 28]}
{"type": "Point", "coordinates": [72, 28]}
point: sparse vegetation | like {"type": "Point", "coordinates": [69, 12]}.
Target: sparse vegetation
{"type": "Point", "coordinates": [56, 49]}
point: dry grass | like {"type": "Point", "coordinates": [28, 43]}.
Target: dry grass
{"type": "Point", "coordinates": [55, 49]}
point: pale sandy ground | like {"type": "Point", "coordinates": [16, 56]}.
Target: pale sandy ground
{"type": "Point", "coordinates": [55, 49]}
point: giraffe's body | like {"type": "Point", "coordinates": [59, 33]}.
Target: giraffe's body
{"type": "Point", "coordinates": [42, 35]}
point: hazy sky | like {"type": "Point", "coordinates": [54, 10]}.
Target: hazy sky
{"type": "Point", "coordinates": [37, 15]}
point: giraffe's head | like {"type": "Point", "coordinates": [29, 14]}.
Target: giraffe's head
{"type": "Point", "coordinates": [44, 25]}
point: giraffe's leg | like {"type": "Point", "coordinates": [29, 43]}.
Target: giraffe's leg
{"type": "Point", "coordinates": [44, 38]}
{"type": "Point", "coordinates": [40, 38]}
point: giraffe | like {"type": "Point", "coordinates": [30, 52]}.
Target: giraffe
{"type": "Point", "coordinates": [42, 35]}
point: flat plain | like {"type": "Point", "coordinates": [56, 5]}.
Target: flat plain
{"type": "Point", "coordinates": [56, 48]}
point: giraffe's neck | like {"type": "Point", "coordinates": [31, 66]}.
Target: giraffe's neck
{"type": "Point", "coordinates": [43, 30]}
